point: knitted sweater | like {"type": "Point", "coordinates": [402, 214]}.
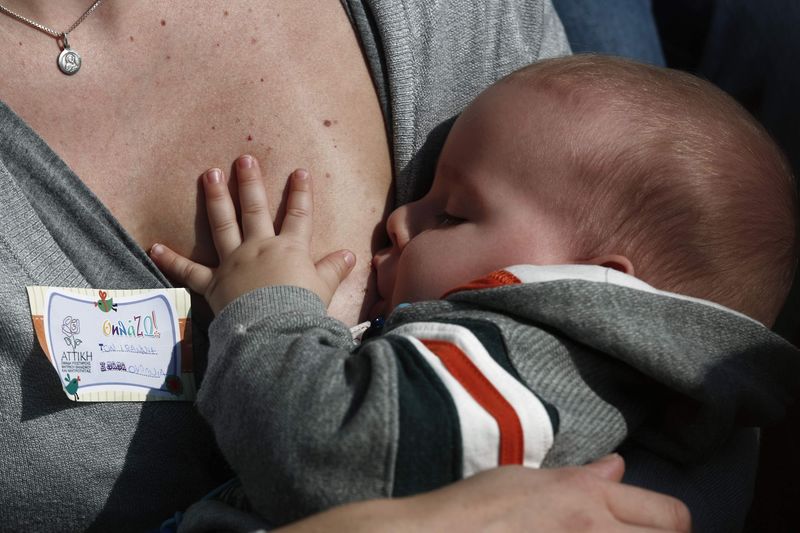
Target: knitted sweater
{"type": "Point", "coordinates": [558, 370]}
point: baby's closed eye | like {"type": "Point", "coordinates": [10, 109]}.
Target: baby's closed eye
{"type": "Point", "coordinates": [446, 219]}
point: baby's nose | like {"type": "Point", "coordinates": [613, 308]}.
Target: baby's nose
{"type": "Point", "coordinates": [397, 227]}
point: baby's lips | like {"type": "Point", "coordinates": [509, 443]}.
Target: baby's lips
{"type": "Point", "coordinates": [384, 275]}
{"type": "Point", "coordinates": [380, 257]}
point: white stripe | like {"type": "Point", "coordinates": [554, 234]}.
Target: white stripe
{"type": "Point", "coordinates": [480, 435]}
{"type": "Point", "coordinates": [537, 429]}
{"type": "Point", "coordinates": [600, 274]}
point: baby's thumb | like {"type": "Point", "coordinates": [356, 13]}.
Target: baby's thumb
{"type": "Point", "coordinates": [332, 269]}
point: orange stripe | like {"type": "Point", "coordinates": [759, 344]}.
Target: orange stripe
{"type": "Point", "coordinates": [38, 327]}
{"type": "Point", "coordinates": [497, 278]}
{"type": "Point", "coordinates": [482, 390]}
{"type": "Point", "coordinates": [187, 346]}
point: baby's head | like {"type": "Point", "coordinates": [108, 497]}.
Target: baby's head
{"type": "Point", "coordinates": [598, 160]}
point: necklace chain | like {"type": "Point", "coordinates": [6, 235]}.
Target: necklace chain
{"type": "Point", "coordinates": [49, 31]}
{"type": "Point", "coordinates": [69, 61]}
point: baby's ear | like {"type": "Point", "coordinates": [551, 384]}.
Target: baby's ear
{"type": "Point", "coordinates": [615, 261]}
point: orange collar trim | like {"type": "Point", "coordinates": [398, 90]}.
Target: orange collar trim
{"type": "Point", "coordinates": [498, 278]}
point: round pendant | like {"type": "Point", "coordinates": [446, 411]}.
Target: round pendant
{"type": "Point", "coordinates": [69, 61]}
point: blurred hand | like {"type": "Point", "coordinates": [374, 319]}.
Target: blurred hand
{"type": "Point", "coordinates": [514, 498]}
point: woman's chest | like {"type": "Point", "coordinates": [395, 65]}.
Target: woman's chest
{"type": "Point", "coordinates": [158, 102]}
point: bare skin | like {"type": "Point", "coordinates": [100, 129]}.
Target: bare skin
{"type": "Point", "coordinates": [169, 88]}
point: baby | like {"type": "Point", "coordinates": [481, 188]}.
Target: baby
{"type": "Point", "coordinates": [600, 251]}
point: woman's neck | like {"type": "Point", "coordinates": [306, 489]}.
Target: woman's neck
{"type": "Point", "coordinates": [57, 16]}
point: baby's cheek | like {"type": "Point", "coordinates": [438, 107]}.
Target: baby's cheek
{"type": "Point", "coordinates": [418, 278]}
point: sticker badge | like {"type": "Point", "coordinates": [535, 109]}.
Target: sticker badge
{"type": "Point", "coordinates": [116, 345]}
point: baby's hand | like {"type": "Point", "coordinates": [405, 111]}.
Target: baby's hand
{"type": "Point", "coordinates": [255, 257]}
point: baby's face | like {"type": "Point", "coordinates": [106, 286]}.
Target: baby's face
{"type": "Point", "coordinates": [489, 207]}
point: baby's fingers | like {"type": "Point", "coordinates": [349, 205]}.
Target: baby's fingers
{"type": "Point", "coordinates": [180, 269]}
{"type": "Point", "coordinates": [332, 269]}
{"type": "Point", "coordinates": [256, 220]}
{"type": "Point", "coordinates": [299, 207]}
{"type": "Point", "coordinates": [221, 214]}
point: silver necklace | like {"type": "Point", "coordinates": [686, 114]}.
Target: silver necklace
{"type": "Point", "coordinates": [69, 61]}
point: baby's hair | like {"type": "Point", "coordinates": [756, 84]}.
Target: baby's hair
{"type": "Point", "coordinates": [683, 180]}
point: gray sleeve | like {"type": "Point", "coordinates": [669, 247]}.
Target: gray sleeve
{"type": "Point", "coordinates": [303, 420]}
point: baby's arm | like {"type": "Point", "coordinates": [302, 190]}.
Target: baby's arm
{"type": "Point", "coordinates": [255, 256]}
{"type": "Point", "coordinates": [304, 421]}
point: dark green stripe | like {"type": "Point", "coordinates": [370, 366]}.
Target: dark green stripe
{"type": "Point", "coordinates": [429, 453]}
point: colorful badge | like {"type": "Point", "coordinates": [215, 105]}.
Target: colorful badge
{"type": "Point", "coordinates": [116, 345]}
